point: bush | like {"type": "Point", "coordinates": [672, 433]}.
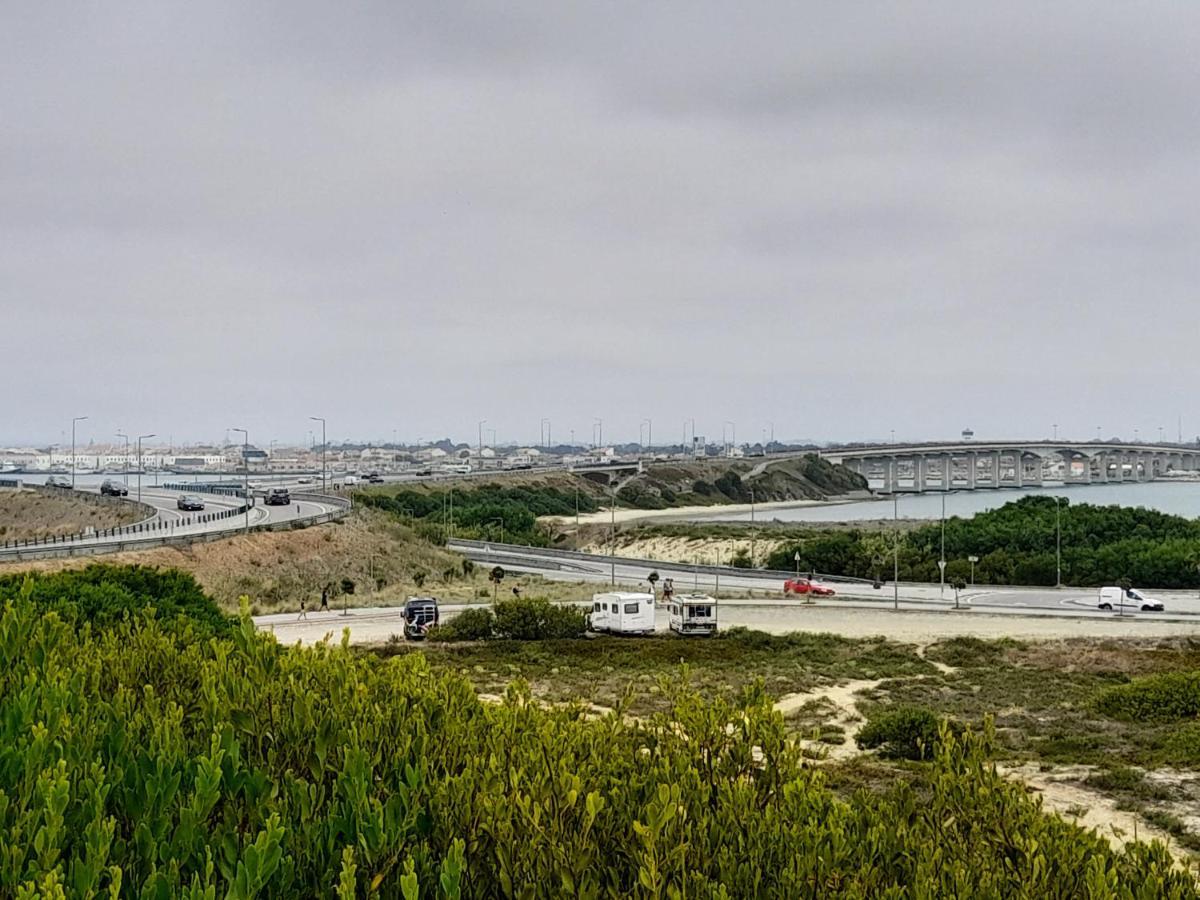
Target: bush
{"type": "Point", "coordinates": [103, 594]}
{"type": "Point", "coordinates": [474, 624]}
{"type": "Point", "coordinates": [905, 732]}
{"type": "Point", "coordinates": [136, 761]}
{"type": "Point", "coordinates": [1156, 698]}
{"type": "Point", "coordinates": [537, 619]}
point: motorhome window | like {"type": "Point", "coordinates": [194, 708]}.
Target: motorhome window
{"type": "Point", "coordinates": [631, 607]}
{"type": "Point", "coordinates": [674, 610]}
{"type": "Point", "coordinates": [595, 607]}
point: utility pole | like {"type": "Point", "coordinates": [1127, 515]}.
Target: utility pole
{"type": "Point", "coordinates": [141, 437]}
{"type": "Point", "coordinates": [942, 558]}
{"type": "Point", "coordinates": [324, 450]}
{"type": "Point", "coordinates": [246, 472]}
{"type": "Point", "coordinates": [896, 547]}
{"type": "Point", "coordinates": [73, 421]}
{"type": "Point", "coordinates": [612, 539]}
{"type": "Point", "coordinates": [1057, 544]}
{"type": "Point", "coordinates": [125, 465]}
{"type": "Point", "coordinates": [482, 422]}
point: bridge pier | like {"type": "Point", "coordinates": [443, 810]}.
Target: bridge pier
{"type": "Point", "coordinates": [972, 466]}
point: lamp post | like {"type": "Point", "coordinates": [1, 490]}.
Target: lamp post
{"type": "Point", "coordinates": [544, 428]}
{"type": "Point", "coordinates": [1056, 431]}
{"type": "Point", "coordinates": [896, 548]}
{"type": "Point", "coordinates": [649, 423]}
{"type": "Point", "coordinates": [479, 449]}
{"type": "Point", "coordinates": [1057, 543]}
{"type": "Point", "coordinates": [246, 473]}
{"type": "Point", "coordinates": [140, 438]}
{"type": "Point", "coordinates": [942, 558]}
{"type": "Point", "coordinates": [612, 533]}
{"type": "Point", "coordinates": [972, 560]}
{"type": "Point", "coordinates": [598, 429]}
{"type": "Point", "coordinates": [125, 466]}
{"type": "Point", "coordinates": [324, 450]}
{"type": "Point", "coordinates": [73, 421]}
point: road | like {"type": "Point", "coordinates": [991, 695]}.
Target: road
{"type": "Point", "coordinates": [561, 565]}
{"type": "Point", "coordinates": [169, 522]}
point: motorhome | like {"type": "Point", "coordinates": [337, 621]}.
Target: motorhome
{"type": "Point", "coordinates": [457, 468]}
{"type": "Point", "coordinates": [693, 614]}
{"type": "Point", "coordinates": [1118, 599]}
{"type": "Point", "coordinates": [420, 614]}
{"type": "Point", "coordinates": [622, 612]}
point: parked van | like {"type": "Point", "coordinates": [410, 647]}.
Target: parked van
{"type": "Point", "coordinates": [1116, 598]}
{"type": "Point", "coordinates": [693, 614]}
{"type": "Point", "coordinates": [350, 480]}
{"type": "Point", "coordinates": [622, 612]}
{"type": "Point", "coordinates": [420, 614]}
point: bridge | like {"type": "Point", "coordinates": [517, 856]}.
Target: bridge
{"type": "Point", "coordinates": [917, 468]}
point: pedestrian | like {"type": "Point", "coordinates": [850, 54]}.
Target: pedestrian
{"type": "Point", "coordinates": [516, 592]}
{"type": "Point", "coordinates": [303, 611]}
{"type": "Point", "coordinates": [325, 599]}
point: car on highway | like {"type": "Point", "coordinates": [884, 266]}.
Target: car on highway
{"type": "Point", "coordinates": [374, 478]}
{"type": "Point", "coordinates": [420, 614]}
{"type": "Point", "coordinates": [278, 496]}
{"type": "Point", "coordinates": [305, 480]}
{"type": "Point", "coordinates": [59, 481]}
{"type": "Point", "coordinates": [1119, 599]}
{"type": "Point", "coordinates": [349, 480]}
{"type": "Point", "coordinates": [423, 471]}
{"type": "Point", "coordinates": [808, 587]}
{"type": "Point", "coordinates": [190, 503]}
{"type": "Point", "coordinates": [113, 488]}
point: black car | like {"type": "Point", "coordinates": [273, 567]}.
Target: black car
{"type": "Point", "coordinates": [278, 496]}
{"type": "Point", "coordinates": [59, 481]}
{"type": "Point", "coordinates": [374, 478]}
{"type": "Point", "coordinates": [190, 503]}
{"type": "Point", "coordinates": [420, 614]}
{"type": "Point", "coordinates": [113, 488]}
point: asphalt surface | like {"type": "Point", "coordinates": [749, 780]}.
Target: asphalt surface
{"type": "Point", "coordinates": [1071, 602]}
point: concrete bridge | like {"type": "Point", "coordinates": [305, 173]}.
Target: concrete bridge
{"type": "Point", "coordinates": [917, 468]}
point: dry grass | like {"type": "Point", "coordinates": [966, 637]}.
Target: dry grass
{"type": "Point", "coordinates": [27, 514]}
{"type": "Point", "coordinates": [384, 559]}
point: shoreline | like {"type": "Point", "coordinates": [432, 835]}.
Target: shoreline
{"type": "Point", "coordinates": [625, 515]}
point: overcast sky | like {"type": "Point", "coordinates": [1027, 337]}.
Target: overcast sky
{"type": "Point", "coordinates": [840, 218]}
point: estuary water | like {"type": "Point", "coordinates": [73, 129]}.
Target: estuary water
{"type": "Point", "coordinates": [1181, 498]}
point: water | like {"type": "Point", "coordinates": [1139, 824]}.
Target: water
{"type": "Point", "coordinates": [1181, 498]}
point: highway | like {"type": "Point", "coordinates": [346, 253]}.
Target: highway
{"type": "Point", "coordinates": [767, 587]}
{"type": "Point", "coordinates": [169, 524]}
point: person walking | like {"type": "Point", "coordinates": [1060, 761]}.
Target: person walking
{"type": "Point", "coordinates": [303, 611]}
{"type": "Point", "coordinates": [325, 599]}
{"type": "Point", "coordinates": [517, 592]}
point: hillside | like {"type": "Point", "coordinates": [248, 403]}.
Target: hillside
{"type": "Point", "coordinates": [27, 514]}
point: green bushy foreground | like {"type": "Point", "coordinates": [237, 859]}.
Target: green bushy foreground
{"type": "Point", "coordinates": [519, 619]}
{"type": "Point", "coordinates": [144, 759]}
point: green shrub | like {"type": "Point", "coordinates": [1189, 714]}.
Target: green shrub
{"type": "Point", "coordinates": [1156, 698]}
{"type": "Point", "coordinates": [474, 624]}
{"type": "Point", "coordinates": [904, 732]}
{"type": "Point", "coordinates": [137, 761]}
{"type": "Point", "coordinates": [537, 619]}
{"type": "Point", "coordinates": [1182, 746]}
{"type": "Point", "coordinates": [103, 594]}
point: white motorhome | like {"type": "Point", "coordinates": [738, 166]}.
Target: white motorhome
{"type": "Point", "coordinates": [693, 614]}
{"type": "Point", "coordinates": [1119, 599]}
{"type": "Point", "coordinates": [622, 612]}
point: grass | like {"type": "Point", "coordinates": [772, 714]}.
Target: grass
{"type": "Point", "coordinates": [607, 671]}
{"type": "Point", "coordinates": [28, 514]}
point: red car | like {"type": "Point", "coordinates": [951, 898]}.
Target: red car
{"type": "Point", "coordinates": [804, 586]}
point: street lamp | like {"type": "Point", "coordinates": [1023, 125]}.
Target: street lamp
{"type": "Point", "coordinates": [245, 473]}
{"type": "Point", "coordinates": [324, 449]}
{"type": "Point", "coordinates": [73, 421]}
{"type": "Point", "coordinates": [972, 560]}
{"type": "Point", "coordinates": [125, 466]}
{"type": "Point", "coordinates": [598, 423]}
{"type": "Point", "coordinates": [140, 438]}
{"type": "Point", "coordinates": [482, 422]}
{"type": "Point", "coordinates": [545, 426]}
{"type": "Point", "coordinates": [942, 558]}
{"type": "Point", "coordinates": [612, 537]}
{"type": "Point", "coordinates": [1057, 543]}
{"type": "Point", "coordinates": [896, 547]}
{"type": "Point", "coordinates": [1056, 431]}
{"type": "Point", "coordinates": [649, 423]}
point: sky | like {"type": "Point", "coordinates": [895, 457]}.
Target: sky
{"type": "Point", "coordinates": [833, 220]}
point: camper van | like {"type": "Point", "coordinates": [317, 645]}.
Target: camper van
{"type": "Point", "coordinates": [622, 612]}
{"type": "Point", "coordinates": [1118, 599]}
{"type": "Point", "coordinates": [693, 614]}
{"type": "Point", "coordinates": [420, 614]}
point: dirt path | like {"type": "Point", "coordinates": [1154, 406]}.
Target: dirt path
{"type": "Point", "coordinates": [845, 714]}
{"type": "Point", "coordinates": [1061, 794]}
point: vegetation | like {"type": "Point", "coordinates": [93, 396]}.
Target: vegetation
{"type": "Point", "coordinates": [905, 732]}
{"type": "Point", "coordinates": [1015, 544]}
{"type": "Point", "coordinates": [519, 619]}
{"type": "Point", "coordinates": [1167, 697]}
{"type": "Point", "coordinates": [138, 761]}
{"type": "Point", "coordinates": [104, 594]}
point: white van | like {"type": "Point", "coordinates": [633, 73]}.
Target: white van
{"type": "Point", "coordinates": [1116, 598]}
{"type": "Point", "coordinates": [693, 614]}
{"type": "Point", "coordinates": [622, 612]}
{"type": "Point", "coordinates": [350, 479]}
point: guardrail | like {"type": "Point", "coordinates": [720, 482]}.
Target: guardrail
{"type": "Point", "coordinates": [517, 549]}
{"type": "Point", "coordinates": [161, 533]}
